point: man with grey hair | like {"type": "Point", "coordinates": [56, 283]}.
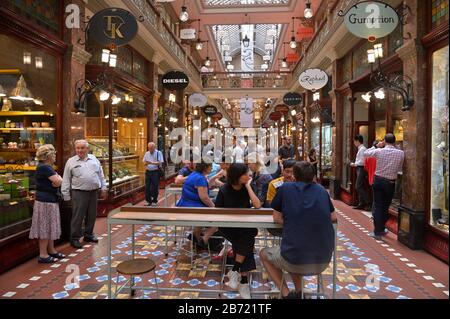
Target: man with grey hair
{"type": "Point", "coordinates": [153, 160]}
{"type": "Point", "coordinates": [82, 181]}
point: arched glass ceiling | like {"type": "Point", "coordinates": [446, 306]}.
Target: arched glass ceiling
{"type": "Point", "coordinates": [217, 3]}
{"type": "Point", "coordinates": [229, 39]}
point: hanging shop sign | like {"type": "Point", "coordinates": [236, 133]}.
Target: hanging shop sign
{"type": "Point", "coordinates": [283, 109]}
{"type": "Point", "coordinates": [224, 122]}
{"type": "Point", "coordinates": [275, 116]}
{"type": "Point", "coordinates": [113, 27]}
{"type": "Point", "coordinates": [210, 110]}
{"type": "Point", "coordinates": [197, 99]}
{"type": "Point", "coordinates": [292, 57]}
{"type": "Point", "coordinates": [313, 79]}
{"type": "Point", "coordinates": [370, 19]}
{"type": "Point", "coordinates": [305, 33]}
{"type": "Point", "coordinates": [217, 117]}
{"type": "Point", "coordinates": [188, 34]}
{"type": "Point", "coordinates": [292, 99]}
{"type": "Point", "coordinates": [175, 80]}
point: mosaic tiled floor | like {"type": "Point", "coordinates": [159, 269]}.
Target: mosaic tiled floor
{"type": "Point", "coordinates": [367, 269]}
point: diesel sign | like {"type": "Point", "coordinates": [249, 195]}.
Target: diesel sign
{"type": "Point", "coordinates": [175, 80]}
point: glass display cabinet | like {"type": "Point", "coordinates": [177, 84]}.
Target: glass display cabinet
{"type": "Point", "coordinates": [128, 145]}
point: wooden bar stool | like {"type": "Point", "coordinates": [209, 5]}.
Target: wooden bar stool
{"type": "Point", "coordinates": [134, 267]}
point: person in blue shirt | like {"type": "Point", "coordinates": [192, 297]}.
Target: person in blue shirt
{"type": "Point", "coordinates": [183, 173]}
{"type": "Point", "coordinates": [305, 210]}
{"type": "Point", "coordinates": [195, 194]}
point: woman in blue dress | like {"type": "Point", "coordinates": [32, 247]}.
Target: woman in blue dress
{"type": "Point", "coordinates": [195, 194]}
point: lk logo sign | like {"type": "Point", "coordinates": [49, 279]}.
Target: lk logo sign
{"type": "Point", "coordinates": [113, 26]}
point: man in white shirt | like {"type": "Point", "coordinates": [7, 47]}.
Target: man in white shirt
{"type": "Point", "coordinates": [238, 152]}
{"type": "Point", "coordinates": [153, 160]}
{"type": "Point", "coordinates": [82, 181]}
{"type": "Point", "coordinates": [363, 198]}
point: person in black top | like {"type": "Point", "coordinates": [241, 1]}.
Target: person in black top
{"type": "Point", "coordinates": [285, 152]}
{"type": "Point", "coordinates": [238, 193]}
{"type": "Point", "coordinates": [312, 158]}
{"type": "Point", "coordinates": [46, 225]}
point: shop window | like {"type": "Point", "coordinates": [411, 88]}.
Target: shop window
{"type": "Point", "coordinates": [125, 60]}
{"type": "Point", "coordinates": [380, 119]}
{"type": "Point", "coordinates": [439, 140]}
{"type": "Point", "coordinates": [395, 39]}
{"type": "Point", "coordinates": [397, 121]}
{"type": "Point", "coordinates": [439, 13]}
{"type": "Point", "coordinates": [28, 101]}
{"type": "Point", "coordinates": [45, 13]}
{"type": "Point", "coordinates": [360, 63]}
{"type": "Point", "coordinates": [346, 146]}
{"type": "Point", "coordinates": [129, 139]}
{"type": "Point", "coordinates": [326, 150]}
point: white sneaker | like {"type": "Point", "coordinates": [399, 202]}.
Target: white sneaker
{"type": "Point", "coordinates": [234, 279]}
{"type": "Point", "coordinates": [244, 291]}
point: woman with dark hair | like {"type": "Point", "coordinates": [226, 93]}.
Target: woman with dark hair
{"type": "Point", "coordinates": [238, 193]}
{"type": "Point", "coordinates": [312, 158]}
{"type": "Point", "coordinates": [195, 194]}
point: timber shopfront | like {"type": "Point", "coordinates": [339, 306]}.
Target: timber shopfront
{"type": "Point", "coordinates": [31, 63]}
{"type": "Point", "coordinates": [437, 211]}
{"type": "Point", "coordinates": [122, 161]}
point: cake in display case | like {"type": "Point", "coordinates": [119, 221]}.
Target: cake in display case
{"type": "Point", "coordinates": [126, 177]}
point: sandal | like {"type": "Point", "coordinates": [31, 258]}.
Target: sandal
{"type": "Point", "coordinates": [58, 256]}
{"type": "Point", "coordinates": [48, 260]}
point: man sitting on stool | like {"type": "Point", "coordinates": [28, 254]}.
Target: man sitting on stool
{"type": "Point", "coordinates": [305, 210]}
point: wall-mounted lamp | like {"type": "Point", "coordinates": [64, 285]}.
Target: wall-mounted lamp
{"type": "Point", "coordinates": [399, 83]}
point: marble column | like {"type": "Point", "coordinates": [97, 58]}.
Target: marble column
{"type": "Point", "coordinates": [74, 63]}
{"type": "Point", "coordinates": [415, 126]}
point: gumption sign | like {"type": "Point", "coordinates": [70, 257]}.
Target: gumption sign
{"type": "Point", "coordinates": [370, 20]}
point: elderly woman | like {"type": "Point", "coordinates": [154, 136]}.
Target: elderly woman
{"type": "Point", "coordinates": [46, 224]}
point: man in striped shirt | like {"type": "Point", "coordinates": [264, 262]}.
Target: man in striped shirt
{"type": "Point", "coordinates": [389, 164]}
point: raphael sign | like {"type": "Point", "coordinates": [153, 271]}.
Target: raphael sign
{"type": "Point", "coordinates": [313, 79]}
{"type": "Point", "coordinates": [370, 20]}
{"type": "Point", "coordinates": [113, 26]}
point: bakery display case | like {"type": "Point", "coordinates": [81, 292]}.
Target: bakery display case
{"type": "Point", "coordinates": [122, 164]}
{"type": "Point", "coordinates": [126, 176]}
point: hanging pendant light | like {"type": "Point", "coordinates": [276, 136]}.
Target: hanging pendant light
{"type": "Point", "coordinates": [284, 63]}
{"type": "Point", "coordinates": [21, 91]}
{"type": "Point", "coordinates": [293, 43]}
{"type": "Point", "coordinates": [246, 42]}
{"type": "Point", "coordinates": [308, 11]}
{"type": "Point", "coordinates": [184, 15]}
{"type": "Point", "coordinates": [199, 44]}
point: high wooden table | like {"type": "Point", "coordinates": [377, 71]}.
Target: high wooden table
{"type": "Point", "coordinates": [195, 217]}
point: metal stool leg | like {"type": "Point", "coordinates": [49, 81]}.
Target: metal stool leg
{"type": "Point", "coordinates": [131, 285]}
{"type": "Point", "coordinates": [156, 283]}
{"type": "Point", "coordinates": [117, 282]}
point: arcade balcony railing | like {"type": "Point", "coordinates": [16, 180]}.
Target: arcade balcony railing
{"type": "Point", "coordinates": [246, 80]}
